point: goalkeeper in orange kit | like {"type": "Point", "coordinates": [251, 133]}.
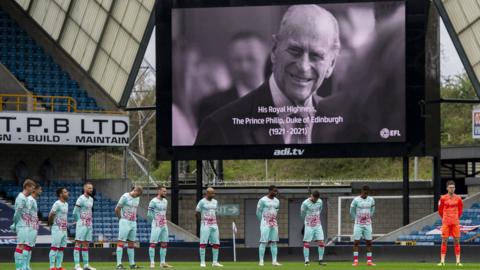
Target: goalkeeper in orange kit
{"type": "Point", "coordinates": [450, 208]}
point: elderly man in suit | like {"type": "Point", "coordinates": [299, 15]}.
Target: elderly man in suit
{"type": "Point", "coordinates": [303, 56]}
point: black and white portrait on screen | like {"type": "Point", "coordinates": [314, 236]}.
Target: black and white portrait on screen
{"type": "Point", "coordinates": [302, 74]}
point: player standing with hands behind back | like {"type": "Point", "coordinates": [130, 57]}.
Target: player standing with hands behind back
{"type": "Point", "coordinates": [267, 210]}
{"type": "Point", "coordinates": [362, 210]}
{"type": "Point", "coordinates": [34, 222]}
{"type": "Point", "coordinates": [21, 220]}
{"type": "Point", "coordinates": [206, 212]}
{"type": "Point", "coordinates": [82, 212]}
{"type": "Point", "coordinates": [450, 208]}
{"type": "Point", "coordinates": [57, 219]}
{"type": "Point", "coordinates": [126, 211]}
{"type": "Point", "coordinates": [310, 211]}
{"type": "Point", "coordinates": [157, 215]}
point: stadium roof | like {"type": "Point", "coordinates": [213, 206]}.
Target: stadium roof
{"type": "Point", "coordinates": [462, 20]}
{"type": "Point", "coordinates": [107, 38]}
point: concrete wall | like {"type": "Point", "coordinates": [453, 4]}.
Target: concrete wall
{"type": "Point", "coordinates": [388, 218]}
{"type": "Point", "coordinates": [68, 162]}
{"type": "Point", "coordinates": [113, 189]}
{"type": "Point", "coordinates": [10, 84]}
{"type": "Point", "coordinates": [388, 214]}
{"type": "Point", "coordinates": [473, 184]}
{"type": "Point", "coordinates": [187, 211]}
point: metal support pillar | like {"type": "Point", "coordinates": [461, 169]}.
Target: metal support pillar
{"type": "Point", "coordinates": [406, 191]}
{"type": "Point", "coordinates": [175, 189]}
{"type": "Point", "coordinates": [437, 182]}
{"type": "Point", "coordinates": [199, 188]}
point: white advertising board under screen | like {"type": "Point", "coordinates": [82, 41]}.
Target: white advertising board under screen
{"type": "Point", "coordinates": [64, 129]}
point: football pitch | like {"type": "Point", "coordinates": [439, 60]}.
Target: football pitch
{"type": "Point", "coordinates": [252, 266]}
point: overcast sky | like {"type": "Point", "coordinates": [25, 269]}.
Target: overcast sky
{"type": "Point", "coordinates": [150, 53]}
{"type": "Point", "coordinates": [450, 62]}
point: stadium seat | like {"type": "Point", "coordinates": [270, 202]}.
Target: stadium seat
{"type": "Point", "coordinates": [105, 223]}
{"type": "Point", "coordinates": [30, 64]}
{"type": "Point", "coordinates": [470, 217]}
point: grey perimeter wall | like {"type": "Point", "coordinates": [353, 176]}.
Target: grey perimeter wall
{"type": "Point", "coordinates": [388, 216]}
{"type": "Point", "coordinates": [69, 164]}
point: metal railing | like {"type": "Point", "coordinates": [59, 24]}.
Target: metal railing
{"type": "Point", "coordinates": [26, 102]}
{"type": "Point", "coordinates": [30, 102]}
{"type": "Point", "coordinates": [190, 179]}
{"type": "Point", "coordinates": [303, 182]}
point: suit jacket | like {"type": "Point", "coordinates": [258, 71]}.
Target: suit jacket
{"type": "Point", "coordinates": [354, 127]}
{"type": "Point", "coordinates": [215, 101]}
{"type": "Point", "coordinates": [218, 128]}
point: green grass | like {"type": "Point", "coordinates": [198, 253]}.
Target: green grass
{"type": "Point", "coordinates": [252, 266]}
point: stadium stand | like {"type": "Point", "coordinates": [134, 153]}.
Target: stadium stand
{"type": "Point", "coordinates": [8, 236]}
{"type": "Point", "coordinates": [30, 64]}
{"type": "Point", "coordinates": [105, 222]}
{"type": "Point", "coordinates": [470, 217]}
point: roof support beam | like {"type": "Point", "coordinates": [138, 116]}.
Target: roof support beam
{"type": "Point", "coordinates": [102, 35]}
{"type": "Point", "coordinates": [138, 59]}
{"type": "Point", "coordinates": [458, 45]}
{"type": "Point", "coordinates": [67, 14]}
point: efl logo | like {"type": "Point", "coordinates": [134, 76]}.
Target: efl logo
{"type": "Point", "coordinates": [387, 133]}
{"type": "Point", "coordinates": [288, 152]}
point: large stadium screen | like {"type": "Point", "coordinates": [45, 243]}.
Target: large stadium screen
{"type": "Point", "coordinates": [282, 75]}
